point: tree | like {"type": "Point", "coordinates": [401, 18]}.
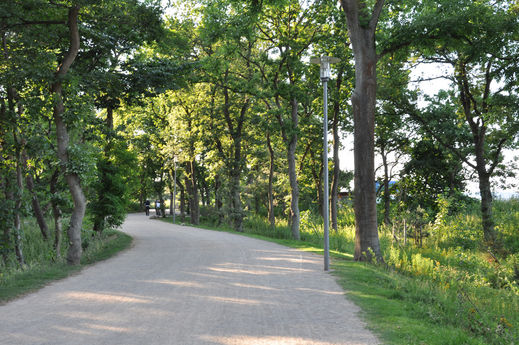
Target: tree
{"type": "Point", "coordinates": [286, 30]}
{"type": "Point", "coordinates": [478, 40]}
{"type": "Point", "coordinates": [362, 24]}
{"type": "Point", "coordinates": [72, 178]}
{"type": "Point", "coordinates": [228, 41]}
{"type": "Point", "coordinates": [392, 132]}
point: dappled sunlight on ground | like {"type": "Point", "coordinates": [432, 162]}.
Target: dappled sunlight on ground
{"type": "Point", "coordinates": [239, 301]}
{"type": "Point", "coordinates": [286, 258]}
{"type": "Point", "coordinates": [104, 297]}
{"type": "Point", "coordinates": [107, 328]}
{"type": "Point", "coordinates": [337, 293]}
{"type": "Point", "coordinates": [267, 340]}
{"type": "Point", "coordinates": [250, 286]}
{"type": "Point", "coordinates": [92, 316]}
{"type": "Point", "coordinates": [73, 330]}
{"type": "Point", "coordinates": [174, 283]}
{"type": "Point", "coordinates": [239, 271]}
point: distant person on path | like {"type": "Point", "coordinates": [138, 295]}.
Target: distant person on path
{"type": "Point", "coordinates": [157, 207]}
{"type": "Point", "coordinates": [147, 204]}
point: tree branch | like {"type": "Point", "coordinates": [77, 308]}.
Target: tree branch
{"type": "Point", "coordinates": [71, 54]}
{"type": "Point", "coordinates": [442, 142]}
{"type": "Point", "coordinates": [377, 9]}
{"type": "Point", "coordinates": [496, 156]}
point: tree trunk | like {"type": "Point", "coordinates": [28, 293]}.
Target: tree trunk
{"type": "Point", "coordinates": [17, 211]}
{"type": "Point", "coordinates": [336, 161]}
{"type": "Point", "coordinates": [182, 205]}
{"type": "Point", "coordinates": [162, 206]}
{"type": "Point", "coordinates": [362, 37]}
{"type": "Point", "coordinates": [200, 181]}
{"type": "Point", "coordinates": [17, 195]}
{"type": "Point", "coordinates": [72, 179]}
{"type": "Point", "coordinates": [271, 215]}
{"type": "Point", "coordinates": [363, 101]}
{"type": "Point", "coordinates": [292, 174]}
{"type": "Point", "coordinates": [36, 207]}
{"type": "Point", "coordinates": [193, 193]}
{"type": "Point", "coordinates": [56, 213]}
{"type": "Point", "coordinates": [5, 213]}
{"type": "Point", "coordinates": [386, 194]}
{"type": "Point", "coordinates": [479, 132]}
{"type": "Point", "coordinates": [188, 195]}
{"type": "Point", "coordinates": [486, 208]}
{"type": "Point", "coordinates": [235, 131]}
{"type": "Point", "coordinates": [218, 199]}
{"type": "Point", "coordinates": [236, 207]}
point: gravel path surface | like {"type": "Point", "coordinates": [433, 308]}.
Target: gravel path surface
{"type": "Point", "coordinates": [180, 285]}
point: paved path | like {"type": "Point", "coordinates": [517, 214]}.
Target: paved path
{"type": "Point", "coordinates": [180, 285]}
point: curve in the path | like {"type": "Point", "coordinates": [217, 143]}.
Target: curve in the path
{"type": "Point", "coordinates": [180, 285]}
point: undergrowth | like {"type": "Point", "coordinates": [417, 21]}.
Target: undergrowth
{"type": "Point", "coordinates": [42, 263]}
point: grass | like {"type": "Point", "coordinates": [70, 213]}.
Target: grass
{"type": "Point", "coordinates": [440, 293]}
{"type": "Point", "coordinates": [42, 266]}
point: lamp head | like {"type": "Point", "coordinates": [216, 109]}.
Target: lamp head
{"type": "Point", "coordinates": [325, 62]}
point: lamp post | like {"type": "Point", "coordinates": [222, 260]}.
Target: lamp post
{"type": "Point", "coordinates": [324, 62]}
{"type": "Point", "coordinates": [174, 186]}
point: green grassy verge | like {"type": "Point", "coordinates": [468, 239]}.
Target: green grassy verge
{"type": "Point", "coordinates": [35, 276]}
{"type": "Point", "coordinates": [406, 309]}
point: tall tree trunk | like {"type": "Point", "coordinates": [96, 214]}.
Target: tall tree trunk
{"type": "Point", "coordinates": [142, 192]}
{"type": "Point", "coordinates": [6, 232]}
{"type": "Point", "coordinates": [485, 190]}
{"type": "Point", "coordinates": [17, 210]}
{"type": "Point", "coordinates": [56, 212]}
{"type": "Point", "coordinates": [193, 193]}
{"type": "Point", "coordinates": [334, 197]}
{"type": "Point", "coordinates": [72, 179]}
{"type": "Point", "coordinates": [235, 168]}
{"type": "Point", "coordinates": [188, 195]}
{"type": "Point", "coordinates": [182, 205]}
{"type": "Point", "coordinates": [17, 195]}
{"type": "Point", "coordinates": [5, 211]}
{"type": "Point", "coordinates": [271, 215]}
{"type": "Point", "coordinates": [386, 196]}
{"type": "Point", "coordinates": [479, 131]}
{"type": "Point", "coordinates": [486, 208]}
{"type": "Point", "coordinates": [218, 198]}
{"type": "Point", "coordinates": [36, 207]}
{"type": "Point", "coordinates": [362, 36]}
{"type": "Point", "coordinates": [236, 206]}
{"type": "Point", "coordinates": [201, 189]}
{"type": "Point", "coordinates": [292, 174]}
{"type": "Point", "coordinates": [109, 120]}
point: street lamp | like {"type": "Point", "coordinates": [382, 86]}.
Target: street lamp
{"type": "Point", "coordinates": [174, 187]}
{"type": "Point", "coordinates": [324, 62]}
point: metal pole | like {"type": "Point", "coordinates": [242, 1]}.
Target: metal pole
{"type": "Point", "coordinates": [325, 187]}
{"type": "Point", "coordinates": [174, 190]}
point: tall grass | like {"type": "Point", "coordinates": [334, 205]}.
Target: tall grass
{"type": "Point", "coordinates": [43, 265]}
